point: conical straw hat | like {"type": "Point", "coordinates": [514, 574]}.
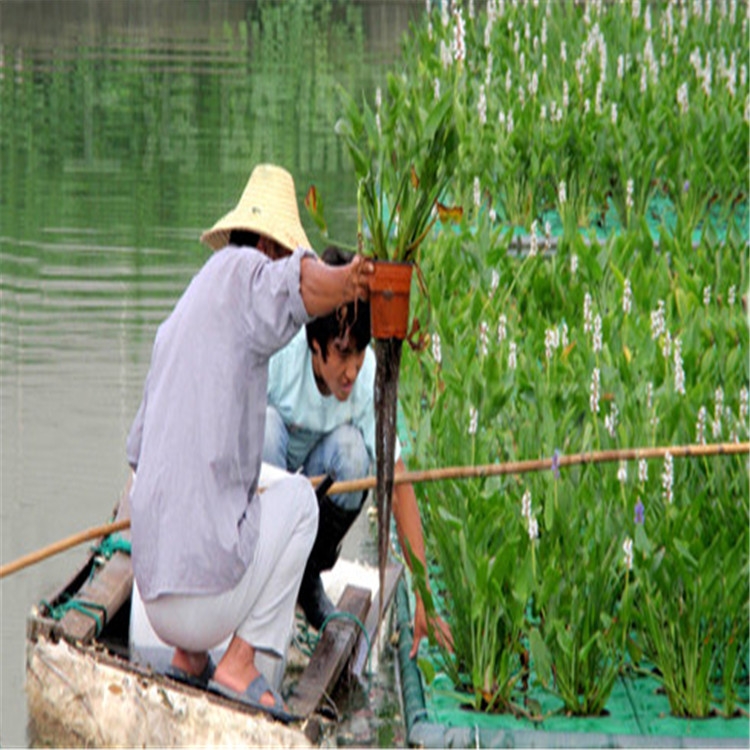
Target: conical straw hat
{"type": "Point", "coordinates": [268, 206]}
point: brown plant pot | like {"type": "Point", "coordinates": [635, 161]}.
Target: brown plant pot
{"type": "Point", "coordinates": [389, 299]}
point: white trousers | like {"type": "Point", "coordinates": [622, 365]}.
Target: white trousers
{"type": "Point", "coordinates": [260, 609]}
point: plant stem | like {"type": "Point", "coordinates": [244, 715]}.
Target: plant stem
{"type": "Point", "coordinates": [388, 360]}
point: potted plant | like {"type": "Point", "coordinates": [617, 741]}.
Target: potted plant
{"type": "Point", "coordinates": [404, 157]}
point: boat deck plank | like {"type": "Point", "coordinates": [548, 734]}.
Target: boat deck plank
{"type": "Point", "coordinates": [334, 649]}
{"type": "Point", "coordinates": [107, 590]}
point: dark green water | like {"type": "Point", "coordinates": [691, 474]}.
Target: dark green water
{"type": "Point", "coordinates": [126, 129]}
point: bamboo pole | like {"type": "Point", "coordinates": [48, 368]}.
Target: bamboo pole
{"type": "Point", "coordinates": [63, 544]}
{"type": "Point", "coordinates": [430, 475]}
{"type": "Point", "coordinates": [543, 464]}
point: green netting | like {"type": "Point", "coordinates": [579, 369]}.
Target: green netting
{"type": "Point", "coordinates": [638, 714]}
{"type": "Point", "coordinates": [660, 217]}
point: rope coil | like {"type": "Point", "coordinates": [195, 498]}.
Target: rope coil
{"type": "Point", "coordinates": [91, 609]}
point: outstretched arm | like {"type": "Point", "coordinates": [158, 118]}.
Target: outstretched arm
{"type": "Point", "coordinates": [409, 530]}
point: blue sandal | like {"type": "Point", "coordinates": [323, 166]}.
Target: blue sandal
{"type": "Point", "coordinates": [252, 695]}
{"type": "Point", "coordinates": [197, 681]}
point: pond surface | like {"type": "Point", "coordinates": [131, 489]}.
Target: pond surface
{"type": "Point", "coordinates": [127, 127]}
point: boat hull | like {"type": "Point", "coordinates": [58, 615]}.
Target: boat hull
{"type": "Point", "coordinates": [78, 697]}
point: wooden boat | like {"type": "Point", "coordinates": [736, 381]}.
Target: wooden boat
{"type": "Point", "coordinates": [85, 688]}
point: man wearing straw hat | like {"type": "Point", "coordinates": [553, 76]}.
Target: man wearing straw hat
{"type": "Point", "coordinates": [212, 557]}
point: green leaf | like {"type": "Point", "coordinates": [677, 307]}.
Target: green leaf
{"type": "Point", "coordinates": [427, 669]}
{"type": "Point", "coordinates": [682, 548]}
{"type": "Point", "coordinates": [642, 542]}
{"type": "Point", "coordinates": [541, 657]}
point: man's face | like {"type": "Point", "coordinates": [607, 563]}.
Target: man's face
{"type": "Point", "coordinates": [337, 374]}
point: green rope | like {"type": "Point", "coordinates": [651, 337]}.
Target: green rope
{"type": "Point", "coordinates": [307, 642]}
{"type": "Point", "coordinates": [106, 548]}
{"type": "Point", "coordinates": [79, 605]}
{"type": "Point", "coordinates": [111, 544]}
{"type": "Point", "coordinates": [337, 615]}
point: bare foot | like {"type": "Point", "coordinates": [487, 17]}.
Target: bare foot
{"type": "Point", "coordinates": [237, 669]}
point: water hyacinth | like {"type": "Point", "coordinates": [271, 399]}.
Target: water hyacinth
{"type": "Point", "coordinates": [627, 297]}
{"type": "Point", "coordinates": [588, 315]}
{"type": "Point", "coordinates": [718, 412]}
{"type": "Point", "coordinates": [610, 421]}
{"type": "Point", "coordinates": [642, 470]}
{"type": "Point", "coordinates": [533, 241]}
{"type": "Point", "coordinates": [526, 504]}
{"type": "Point", "coordinates": [502, 328]}
{"type": "Point", "coordinates": [483, 338]}
{"type": "Point", "coordinates": [494, 282]}
{"type": "Point", "coordinates": [642, 280]}
{"type": "Point", "coordinates": [667, 478]}
{"type": "Point", "coordinates": [700, 426]}
{"type": "Point", "coordinates": [437, 352]}
{"type": "Point", "coordinates": [512, 357]}
{"type": "Point", "coordinates": [658, 321]}
{"type": "Point", "coordinates": [555, 466]}
{"type": "Point", "coordinates": [679, 371]}
{"type": "Point", "coordinates": [627, 549]}
{"type": "Point", "coordinates": [551, 342]}
{"type": "Point", "coordinates": [459, 34]}
{"type": "Point", "coordinates": [473, 420]}
{"type": "Point", "coordinates": [533, 528]}
{"type": "Point", "coordinates": [666, 344]}
{"type": "Point", "coordinates": [596, 337]}
{"type": "Point", "coordinates": [594, 391]}
{"type": "Point", "coordinates": [482, 106]}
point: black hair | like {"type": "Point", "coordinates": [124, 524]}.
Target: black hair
{"type": "Point", "coordinates": [243, 238]}
{"type": "Point", "coordinates": [350, 320]}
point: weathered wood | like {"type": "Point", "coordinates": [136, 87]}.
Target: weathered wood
{"type": "Point", "coordinates": [109, 589]}
{"type": "Point", "coordinates": [393, 574]}
{"type": "Point", "coordinates": [332, 652]}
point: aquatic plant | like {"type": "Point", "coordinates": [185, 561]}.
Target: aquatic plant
{"type": "Point", "coordinates": [591, 297]}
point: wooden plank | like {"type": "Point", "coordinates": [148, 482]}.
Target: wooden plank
{"type": "Point", "coordinates": [110, 587]}
{"type": "Point", "coordinates": [331, 654]}
{"type": "Point", "coordinates": [393, 574]}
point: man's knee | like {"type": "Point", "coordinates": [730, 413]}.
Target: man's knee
{"type": "Point", "coordinates": [303, 504]}
{"type": "Point", "coordinates": [353, 460]}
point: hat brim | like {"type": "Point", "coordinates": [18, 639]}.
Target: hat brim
{"type": "Point", "coordinates": [268, 206]}
{"type": "Point", "coordinates": [218, 236]}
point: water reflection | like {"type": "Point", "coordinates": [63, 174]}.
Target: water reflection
{"type": "Point", "coordinates": [126, 128]}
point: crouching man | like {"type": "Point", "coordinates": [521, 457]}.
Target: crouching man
{"type": "Point", "coordinates": [321, 420]}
